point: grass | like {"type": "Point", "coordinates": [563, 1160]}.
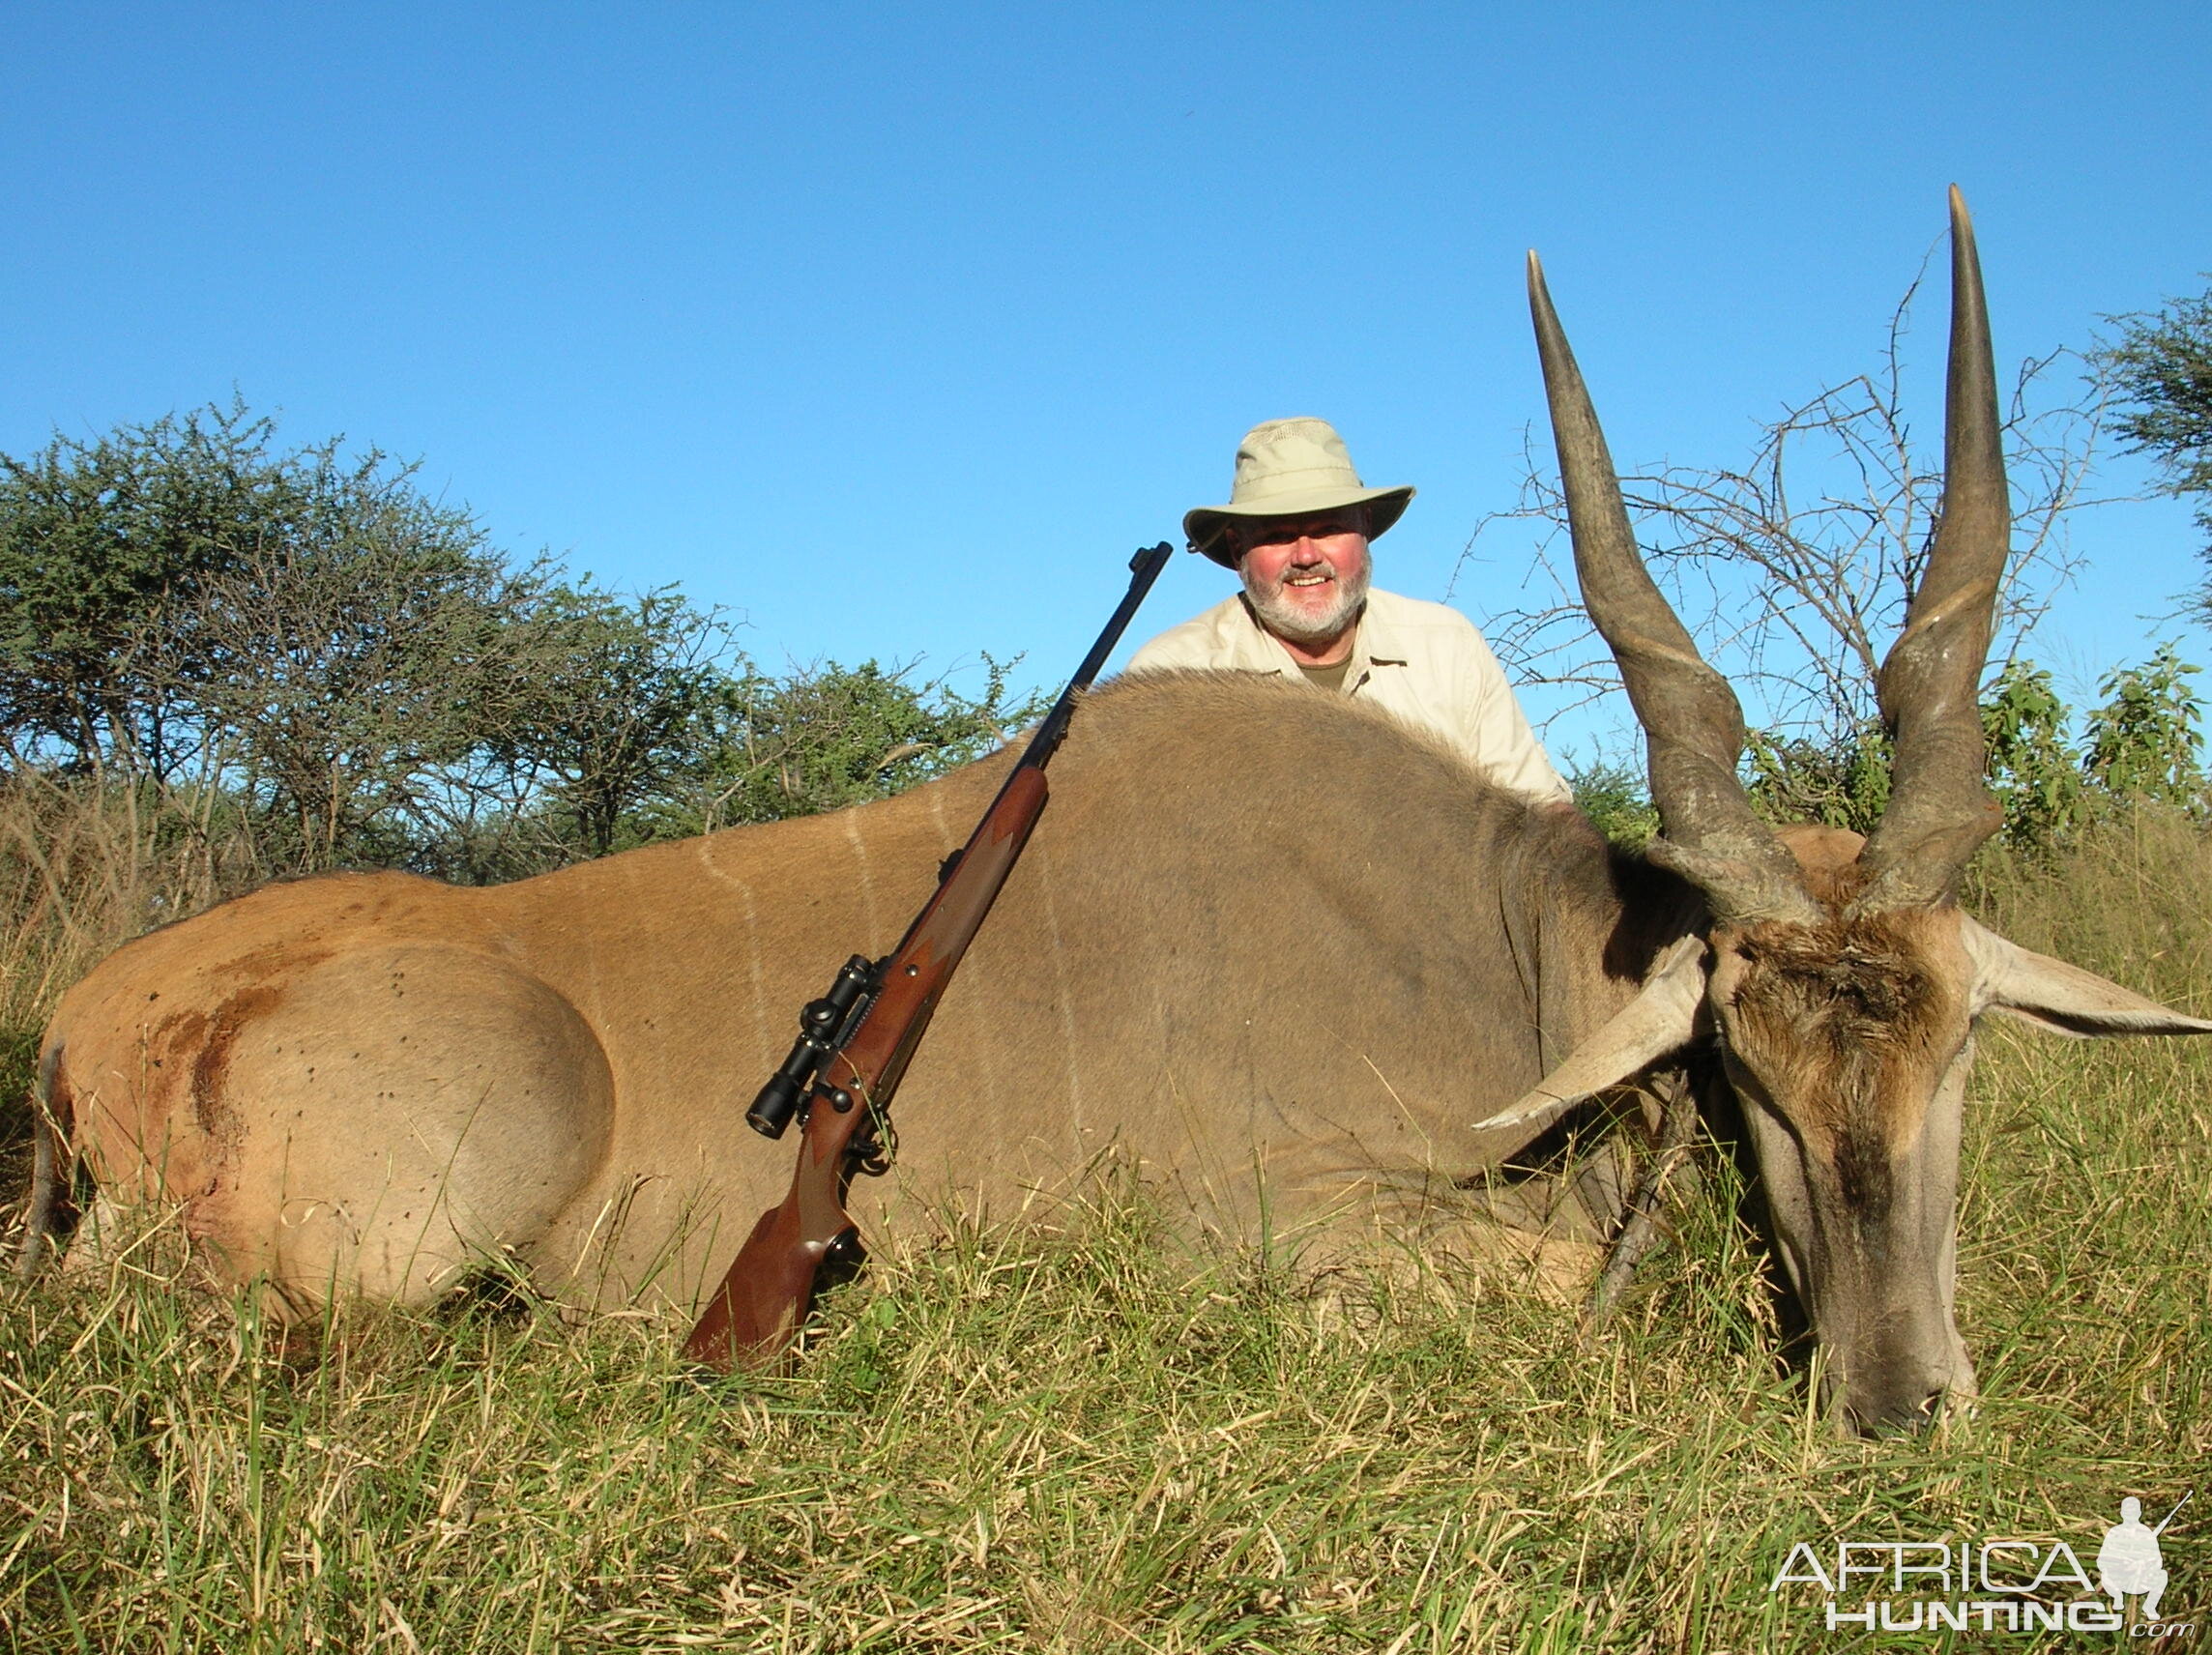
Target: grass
{"type": "Point", "coordinates": [84, 868]}
{"type": "Point", "coordinates": [1098, 1438]}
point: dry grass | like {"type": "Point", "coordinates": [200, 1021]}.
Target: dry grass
{"type": "Point", "coordinates": [1097, 1439]}
{"type": "Point", "coordinates": [83, 869]}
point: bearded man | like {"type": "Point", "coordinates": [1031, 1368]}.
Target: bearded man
{"type": "Point", "coordinates": [1296, 530]}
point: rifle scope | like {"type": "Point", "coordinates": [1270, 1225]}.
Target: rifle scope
{"type": "Point", "coordinates": [824, 1025]}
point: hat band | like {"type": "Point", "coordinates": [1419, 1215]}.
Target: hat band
{"type": "Point", "coordinates": [1306, 481]}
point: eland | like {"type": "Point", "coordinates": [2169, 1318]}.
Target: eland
{"type": "Point", "coordinates": [1294, 960]}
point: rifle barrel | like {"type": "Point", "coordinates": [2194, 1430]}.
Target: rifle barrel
{"type": "Point", "coordinates": [1144, 568]}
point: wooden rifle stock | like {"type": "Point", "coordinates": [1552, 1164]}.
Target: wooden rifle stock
{"type": "Point", "coordinates": [852, 1056]}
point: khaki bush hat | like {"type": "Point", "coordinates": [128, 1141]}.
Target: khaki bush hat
{"type": "Point", "coordinates": [1286, 468]}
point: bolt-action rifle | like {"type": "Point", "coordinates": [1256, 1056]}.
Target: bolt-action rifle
{"type": "Point", "coordinates": [853, 1049]}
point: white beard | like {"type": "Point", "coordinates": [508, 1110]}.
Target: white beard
{"type": "Point", "coordinates": [1283, 618]}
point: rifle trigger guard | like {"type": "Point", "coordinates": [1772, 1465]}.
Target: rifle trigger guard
{"type": "Point", "coordinates": [873, 1145]}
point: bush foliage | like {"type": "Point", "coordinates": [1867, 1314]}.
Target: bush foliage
{"type": "Point", "coordinates": [2055, 773]}
{"type": "Point", "coordinates": [298, 646]}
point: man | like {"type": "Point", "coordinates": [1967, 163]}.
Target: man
{"type": "Point", "coordinates": [1296, 530]}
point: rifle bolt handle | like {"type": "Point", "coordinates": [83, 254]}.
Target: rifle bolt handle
{"type": "Point", "coordinates": [841, 1099]}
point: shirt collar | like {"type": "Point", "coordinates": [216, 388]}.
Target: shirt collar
{"type": "Point", "coordinates": [1372, 645]}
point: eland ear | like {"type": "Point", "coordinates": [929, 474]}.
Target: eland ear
{"type": "Point", "coordinates": [1659, 1021]}
{"type": "Point", "coordinates": [2062, 999]}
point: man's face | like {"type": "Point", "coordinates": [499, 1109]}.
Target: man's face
{"type": "Point", "coordinates": [1307, 576]}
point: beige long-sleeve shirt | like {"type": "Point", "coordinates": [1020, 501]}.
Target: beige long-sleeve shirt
{"type": "Point", "coordinates": [1422, 661]}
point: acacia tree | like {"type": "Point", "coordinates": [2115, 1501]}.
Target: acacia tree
{"type": "Point", "coordinates": [1793, 568]}
{"type": "Point", "coordinates": [608, 705]}
{"type": "Point", "coordinates": [294, 638]}
{"type": "Point", "coordinates": [154, 578]}
{"type": "Point", "coordinates": [353, 662]}
{"type": "Point", "coordinates": [106, 548]}
{"type": "Point", "coordinates": [2162, 365]}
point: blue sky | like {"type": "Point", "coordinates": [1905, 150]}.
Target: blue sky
{"type": "Point", "coordinates": [896, 328]}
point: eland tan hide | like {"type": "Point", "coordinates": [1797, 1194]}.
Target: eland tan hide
{"type": "Point", "coordinates": [1262, 939]}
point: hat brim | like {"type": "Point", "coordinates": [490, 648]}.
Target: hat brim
{"type": "Point", "coordinates": [1203, 526]}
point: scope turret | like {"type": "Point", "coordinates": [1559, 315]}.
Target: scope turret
{"type": "Point", "coordinates": [824, 1025]}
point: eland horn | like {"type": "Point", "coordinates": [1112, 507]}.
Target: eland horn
{"type": "Point", "coordinates": [1939, 811]}
{"type": "Point", "coordinates": [1693, 724]}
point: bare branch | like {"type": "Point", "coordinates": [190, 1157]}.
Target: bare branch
{"type": "Point", "coordinates": [1793, 566]}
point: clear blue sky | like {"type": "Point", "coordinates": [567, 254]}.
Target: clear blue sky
{"type": "Point", "coordinates": [896, 328]}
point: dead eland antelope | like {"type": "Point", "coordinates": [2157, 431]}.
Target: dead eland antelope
{"type": "Point", "coordinates": [1264, 940]}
